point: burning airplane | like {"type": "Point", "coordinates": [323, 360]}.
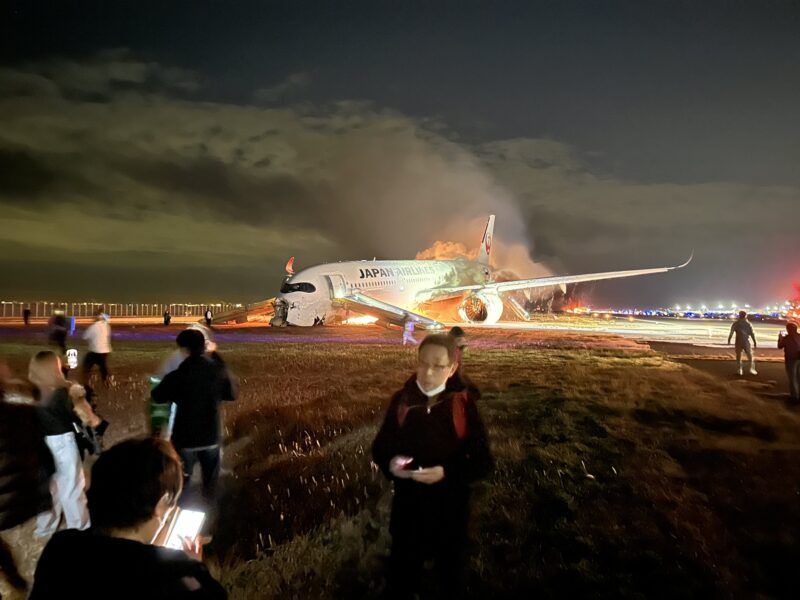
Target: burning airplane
{"type": "Point", "coordinates": [396, 291]}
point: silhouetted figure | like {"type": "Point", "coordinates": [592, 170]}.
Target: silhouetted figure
{"type": "Point", "coordinates": [26, 316]}
{"type": "Point", "coordinates": [790, 342]}
{"type": "Point", "coordinates": [744, 332]}
{"type": "Point", "coordinates": [209, 316]}
{"type": "Point", "coordinates": [57, 331]}
{"type": "Point", "coordinates": [432, 446]}
{"type": "Point", "coordinates": [167, 318]}
{"type": "Point", "coordinates": [135, 484]}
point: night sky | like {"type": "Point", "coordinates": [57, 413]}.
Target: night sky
{"type": "Point", "coordinates": [185, 150]}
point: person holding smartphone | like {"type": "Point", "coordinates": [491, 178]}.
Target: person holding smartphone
{"type": "Point", "coordinates": [135, 485]}
{"type": "Point", "coordinates": [432, 446]}
{"type": "Point", "coordinates": [789, 340]}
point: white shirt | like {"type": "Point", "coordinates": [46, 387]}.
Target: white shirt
{"type": "Point", "coordinates": [99, 337]}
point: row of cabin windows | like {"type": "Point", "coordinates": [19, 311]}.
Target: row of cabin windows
{"type": "Point", "coordinates": [379, 284]}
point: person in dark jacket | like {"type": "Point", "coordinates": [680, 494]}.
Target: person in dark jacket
{"type": "Point", "coordinates": [25, 469]}
{"type": "Point", "coordinates": [135, 485]}
{"type": "Point", "coordinates": [197, 387]}
{"type": "Point", "coordinates": [432, 446]}
{"type": "Point", "coordinates": [790, 342]}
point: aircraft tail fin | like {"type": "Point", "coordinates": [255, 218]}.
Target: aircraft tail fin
{"type": "Point", "coordinates": [485, 252]}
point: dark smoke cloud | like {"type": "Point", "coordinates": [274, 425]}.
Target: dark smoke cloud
{"type": "Point", "coordinates": [120, 157]}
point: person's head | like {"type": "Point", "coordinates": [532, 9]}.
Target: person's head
{"type": "Point", "coordinates": [436, 360]}
{"type": "Point", "coordinates": [791, 328]}
{"type": "Point", "coordinates": [134, 484]}
{"type": "Point", "coordinates": [742, 314]}
{"type": "Point", "coordinates": [459, 336]}
{"type": "Point", "coordinates": [44, 370]}
{"type": "Point", "coordinates": [191, 341]}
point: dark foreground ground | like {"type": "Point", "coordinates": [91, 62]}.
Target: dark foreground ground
{"type": "Point", "coordinates": [621, 472]}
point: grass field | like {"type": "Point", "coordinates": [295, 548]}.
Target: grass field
{"type": "Point", "coordinates": [620, 473]}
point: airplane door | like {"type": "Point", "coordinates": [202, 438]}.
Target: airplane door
{"type": "Point", "coordinates": [337, 284]}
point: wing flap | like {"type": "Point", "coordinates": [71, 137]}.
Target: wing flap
{"type": "Point", "coordinates": [384, 311]}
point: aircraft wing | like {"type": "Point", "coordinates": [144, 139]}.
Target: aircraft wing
{"type": "Point", "coordinates": [524, 284]}
{"type": "Point", "coordinates": [366, 305]}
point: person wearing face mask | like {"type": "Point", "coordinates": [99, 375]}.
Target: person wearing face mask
{"type": "Point", "coordinates": [432, 446]}
{"type": "Point", "coordinates": [134, 486]}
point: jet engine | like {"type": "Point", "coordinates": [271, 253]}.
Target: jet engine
{"type": "Point", "coordinates": [482, 307]}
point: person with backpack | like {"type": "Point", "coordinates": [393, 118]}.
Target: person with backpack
{"type": "Point", "coordinates": [790, 342]}
{"type": "Point", "coordinates": [432, 446]}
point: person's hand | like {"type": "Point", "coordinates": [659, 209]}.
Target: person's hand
{"type": "Point", "coordinates": [397, 466]}
{"type": "Point", "coordinates": [193, 547]}
{"type": "Point", "coordinates": [429, 476]}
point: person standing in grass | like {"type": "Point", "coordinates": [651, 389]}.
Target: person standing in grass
{"type": "Point", "coordinates": [432, 446]}
{"type": "Point", "coordinates": [790, 342]}
{"type": "Point", "coordinates": [744, 332]}
{"type": "Point", "coordinates": [197, 386]}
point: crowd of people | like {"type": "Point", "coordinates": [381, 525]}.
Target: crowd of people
{"type": "Point", "coordinates": [432, 445]}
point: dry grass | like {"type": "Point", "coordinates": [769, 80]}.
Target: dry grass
{"type": "Point", "coordinates": [619, 473]}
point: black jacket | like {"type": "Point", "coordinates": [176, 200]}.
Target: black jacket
{"type": "Point", "coordinates": [791, 346]}
{"type": "Point", "coordinates": [25, 465]}
{"type": "Point", "coordinates": [87, 565]}
{"type": "Point", "coordinates": [432, 438]}
{"type": "Point", "coordinates": [197, 387]}
{"type": "Point", "coordinates": [56, 413]}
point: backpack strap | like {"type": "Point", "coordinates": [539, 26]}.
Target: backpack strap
{"type": "Point", "coordinates": [459, 408]}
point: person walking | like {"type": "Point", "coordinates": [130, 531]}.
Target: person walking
{"type": "Point", "coordinates": [408, 332]}
{"type": "Point", "coordinates": [209, 316]}
{"type": "Point", "coordinates": [58, 404]}
{"type": "Point", "coordinates": [789, 341]}
{"type": "Point", "coordinates": [26, 316]}
{"type": "Point", "coordinates": [744, 333]}
{"type": "Point", "coordinates": [432, 446]}
{"type": "Point", "coordinates": [57, 331]}
{"type": "Point", "coordinates": [197, 387]}
{"type": "Point", "coordinates": [98, 336]}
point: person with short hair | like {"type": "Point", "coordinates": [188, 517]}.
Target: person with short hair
{"type": "Point", "coordinates": [432, 446]}
{"type": "Point", "coordinates": [98, 335]}
{"type": "Point", "coordinates": [197, 386]}
{"type": "Point", "coordinates": [744, 332]}
{"type": "Point", "coordinates": [789, 341]}
{"type": "Point", "coordinates": [59, 402]}
{"type": "Point", "coordinates": [135, 485]}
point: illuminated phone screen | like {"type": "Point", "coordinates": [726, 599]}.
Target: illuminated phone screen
{"type": "Point", "coordinates": [187, 524]}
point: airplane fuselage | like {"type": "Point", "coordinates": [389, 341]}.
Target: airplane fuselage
{"type": "Point", "coordinates": [312, 293]}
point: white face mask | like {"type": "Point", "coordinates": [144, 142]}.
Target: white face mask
{"type": "Point", "coordinates": [434, 391]}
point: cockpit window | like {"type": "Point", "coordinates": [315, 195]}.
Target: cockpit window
{"type": "Point", "coordinates": [302, 286]}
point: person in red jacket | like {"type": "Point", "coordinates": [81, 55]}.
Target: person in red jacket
{"type": "Point", "coordinates": [432, 446]}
